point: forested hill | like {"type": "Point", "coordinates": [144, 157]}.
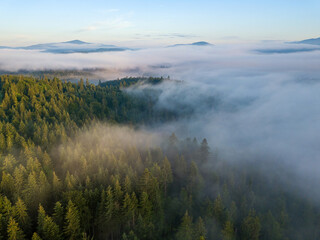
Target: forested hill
{"type": "Point", "coordinates": [126, 82]}
{"type": "Point", "coordinates": [69, 169]}
{"type": "Point", "coordinates": [35, 107]}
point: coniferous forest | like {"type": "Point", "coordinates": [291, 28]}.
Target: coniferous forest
{"type": "Point", "coordinates": [75, 165]}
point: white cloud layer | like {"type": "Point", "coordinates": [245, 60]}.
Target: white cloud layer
{"type": "Point", "coordinates": [267, 104]}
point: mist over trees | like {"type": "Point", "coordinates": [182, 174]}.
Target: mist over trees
{"type": "Point", "coordinates": [71, 168]}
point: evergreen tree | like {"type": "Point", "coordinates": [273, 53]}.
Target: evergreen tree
{"type": "Point", "coordinates": [109, 206]}
{"type": "Point", "coordinates": [21, 215]}
{"type": "Point", "coordinates": [200, 230]}
{"type": "Point", "coordinates": [50, 229]}
{"type": "Point", "coordinates": [53, 150]}
{"type": "Point", "coordinates": [35, 236]}
{"type": "Point", "coordinates": [14, 232]}
{"type": "Point", "coordinates": [58, 214]}
{"type": "Point", "coordinates": [41, 218]}
{"type": "Point", "coordinates": [218, 210]}
{"type": "Point", "coordinates": [72, 222]}
{"type": "Point", "coordinates": [185, 230]}
{"type": "Point", "coordinates": [251, 227]}
{"type": "Point", "coordinates": [271, 228]}
{"type": "Point", "coordinates": [228, 232]}
{"type": "Point", "coordinates": [204, 151]}
{"type": "Point", "coordinates": [146, 207]}
{"type": "Point", "coordinates": [166, 174]}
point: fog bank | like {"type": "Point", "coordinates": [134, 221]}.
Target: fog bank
{"type": "Point", "coordinates": [250, 104]}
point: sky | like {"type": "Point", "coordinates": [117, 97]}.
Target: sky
{"type": "Point", "coordinates": [157, 22]}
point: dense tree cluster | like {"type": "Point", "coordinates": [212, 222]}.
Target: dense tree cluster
{"type": "Point", "coordinates": [58, 183]}
{"type": "Point", "coordinates": [42, 112]}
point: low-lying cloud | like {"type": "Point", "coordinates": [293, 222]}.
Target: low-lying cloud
{"type": "Point", "coordinates": [249, 105]}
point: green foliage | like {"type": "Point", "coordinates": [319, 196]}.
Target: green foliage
{"type": "Point", "coordinates": [58, 214]}
{"type": "Point", "coordinates": [14, 231]}
{"type": "Point", "coordinates": [35, 236]}
{"type": "Point", "coordinates": [185, 230]}
{"type": "Point", "coordinates": [251, 227]}
{"type": "Point", "coordinates": [21, 215]}
{"type": "Point", "coordinates": [72, 222]}
{"type": "Point", "coordinates": [228, 232]}
{"type": "Point", "coordinates": [200, 230]}
{"type": "Point", "coordinates": [65, 175]}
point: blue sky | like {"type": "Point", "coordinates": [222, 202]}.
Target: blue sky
{"type": "Point", "coordinates": [157, 22]}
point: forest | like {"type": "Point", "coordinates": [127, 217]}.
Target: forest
{"type": "Point", "coordinates": [75, 163]}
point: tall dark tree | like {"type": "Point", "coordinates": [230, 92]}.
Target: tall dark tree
{"type": "Point", "coordinates": [14, 231]}
{"type": "Point", "coordinates": [72, 228]}
{"type": "Point", "coordinates": [251, 227]}
{"type": "Point", "coordinates": [204, 151]}
{"type": "Point", "coordinates": [185, 230]}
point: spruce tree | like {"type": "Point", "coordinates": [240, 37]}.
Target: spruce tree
{"type": "Point", "coordinates": [185, 230]}
{"type": "Point", "coordinates": [13, 230]}
{"type": "Point", "coordinates": [72, 222]}
{"type": "Point", "coordinates": [251, 227]}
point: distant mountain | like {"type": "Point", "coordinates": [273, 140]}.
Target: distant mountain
{"type": "Point", "coordinates": [285, 50]}
{"type": "Point", "coordinates": [202, 43]}
{"type": "Point", "coordinates": [74, 46]}
{"type": "Point", "coordinates": [308, 45]}
{"type": "Point", "coordinates": [312, 41]}
{"type": "Point", "coordinates": [77, 42]}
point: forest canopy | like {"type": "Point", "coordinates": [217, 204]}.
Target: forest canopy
{"type": "Point", "coordinates": [76, 163]}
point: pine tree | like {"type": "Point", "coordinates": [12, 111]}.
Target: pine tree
{"type": "Point", "coordinates": [47, 164]}
{"type": "Point", "coordinates": [81, 85]}
{"type": "Point", "coordinates": [9, 163]}
{"type": "Point", "coordinates": [251, 227]}
{"type": "Point", "coordinates": [50, 229]}
{"type": "Point", "coordinates": [20, 213]}
{"type": "Point", "coordinates": [35, 236]}
{"type": "Point", "coordinates": [3, 226]}
{"type": "Point", "coordinates": [145, 207]}
{"type": "Point", "coordinates": [271, 228]}
{"type": "Point", "coordinates": [56, 184]}
{"type": "Point", "coordinates": [58, 214]}
{"type": "Point", "coordinates": [19, 178]}
{"type": "Point", "coordinates": [2, 143]}
{"type": "Point", "coordinates": [232, 212]}
{"type": "Point", "coordinates": [30, 192]}
{"type": "Point", "coordinates": [109, 205]}
{"type": "Point", "coordinates": [126, 207]}
{"type": "Point", "coordinates": [133, 207]}
{"type": "Point", "coordinates": [118, 193]}
{"type": "Point", "coordinates": [127, 185]}
{"type": "Point", "coordinates": [228, 232]}
{"type": "Point", "coordinates": [204, 151]}
{"type": "Point", "coordinates": [173, 139]}
{"type": "Point", "coordinates": [218, 210]}
{"type": "Point", "coordinates": [7, 208]}
{"type": "Point", "coordinates": [14, 232]}
{"type": "Point", "coordinates": [72, 222]}
{"type": "Point", "coordinates": [7, 184]}
{"type": "Point", "coordinates": [185, 230]}
{"type": "Point", "coordinates": [40, 222]}
{"type": "Point", "coordinates": [199, 229]}
{"type": "Point", "coordinates": [194, 179]}
{"type": "Point", "coordinates": [166, 174]}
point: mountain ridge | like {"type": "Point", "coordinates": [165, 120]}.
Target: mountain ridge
{"type": "Point", "coordinates": [312, 41]}
{"type": "Point", "coordinates": [73, 46]}
{"type": "Point", "coordinates": [200, 44]}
